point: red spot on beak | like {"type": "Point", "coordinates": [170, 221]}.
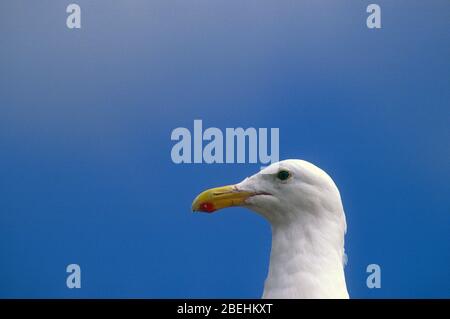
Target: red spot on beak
{"type": "Point", "coordinates": [207, 207]}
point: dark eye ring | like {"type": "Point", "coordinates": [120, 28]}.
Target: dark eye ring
{"type": "Point", "coordinates": [283, 175]}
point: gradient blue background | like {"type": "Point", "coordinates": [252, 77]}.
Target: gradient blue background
{"type": "Point", "coordinates": [86, 115]}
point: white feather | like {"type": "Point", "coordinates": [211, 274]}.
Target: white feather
{"type": "Point", "coordinates": [308, 228]}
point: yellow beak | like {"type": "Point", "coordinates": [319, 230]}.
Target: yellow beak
{"type": "Point", "coordinates": [221, 197]}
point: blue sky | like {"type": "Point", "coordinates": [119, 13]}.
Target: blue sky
{"type": "Point", "coordinates": [86, 115]}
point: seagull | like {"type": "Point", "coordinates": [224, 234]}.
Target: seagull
{"type": "Point", "coordinates": [305, 211]}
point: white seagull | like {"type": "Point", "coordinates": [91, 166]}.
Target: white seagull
{"type": "Point", "coordinates": [304, 208]}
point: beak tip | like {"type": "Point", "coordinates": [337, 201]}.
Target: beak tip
{"type": "Point", "coordinates": [217, 198]}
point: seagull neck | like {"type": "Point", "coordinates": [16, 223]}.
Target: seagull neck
{"type": "Point", "coordinates": [306, 260]}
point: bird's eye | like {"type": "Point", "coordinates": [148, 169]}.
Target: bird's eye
{"type": "Point", "coordinates": [283, 175]}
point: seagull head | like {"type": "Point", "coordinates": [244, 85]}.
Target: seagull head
{"type": "Point", "coordinates": [281, 192]}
